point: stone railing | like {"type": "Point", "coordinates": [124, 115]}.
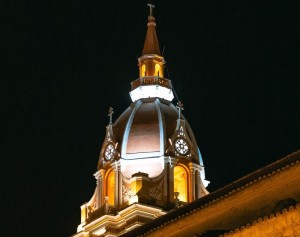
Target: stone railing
{"type": "Point", "coordinates": [101, 212]}
{"type": "Point", "coordinates": [155, 80]}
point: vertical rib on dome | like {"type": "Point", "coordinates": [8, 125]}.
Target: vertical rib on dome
{"type": "Point", "coordinates": [151, 45]}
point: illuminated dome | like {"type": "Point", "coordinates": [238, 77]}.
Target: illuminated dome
{"type": "Point", "coordinates": [151, 129]}
{"type": "Point", "coordinates": [149, 161]}
{"type": "Point", "coordinates": [145, 136]}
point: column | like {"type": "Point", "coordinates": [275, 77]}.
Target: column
{"type": "Point", "coordinates": [120, 193]}
{"type": "Point", "coordinates": [192, 182]}
{"type": "Point", "coordinates": [102, 186]}
{"type": "Point", "coordinates": [198, 180]}
{"type": "Point", "coordinates": [116, 190]}
{"type": "Point", "coordinates": [99, 190]}
{"type": "Point", "coordinates": [172, 163]}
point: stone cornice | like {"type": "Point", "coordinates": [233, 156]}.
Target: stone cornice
{"type": "Point", "coordinates": [124, 219]}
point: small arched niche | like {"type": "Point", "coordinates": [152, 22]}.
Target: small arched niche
{"type": "Point", "coordinates": [110, 187]}
{"type": "Point", "coordinates": [181, 182]}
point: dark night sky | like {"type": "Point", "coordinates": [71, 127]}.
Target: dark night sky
{"type": "Point", "coordinates": [235, 66]}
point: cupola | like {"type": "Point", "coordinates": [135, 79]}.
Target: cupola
{"type": "Point", "coordinates": [151, 82]}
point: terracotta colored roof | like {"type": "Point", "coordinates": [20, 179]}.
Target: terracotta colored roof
{"type": "Point", "coordinates": [241, 183]}
{"type": "Point", "coordinates": [151, 45]}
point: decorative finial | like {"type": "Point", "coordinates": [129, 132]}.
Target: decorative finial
{"type": "Point", "coordinates": [151, 8]}
{"type": "Point", "coordinates": [110, 113]}
{"type": "Point", "coordinates": [180, 108]}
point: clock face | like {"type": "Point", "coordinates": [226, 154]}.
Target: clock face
{"type": "Point", "coordinates": [109, 152]}
{"type": "Point", "coordinates": [181, 146]}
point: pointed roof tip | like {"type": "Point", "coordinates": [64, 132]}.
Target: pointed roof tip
{"type": "Point", "coordinates": [151, 45]}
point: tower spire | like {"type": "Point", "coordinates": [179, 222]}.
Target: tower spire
{"type": "Point", "coordinates": [151, 82]}
{"type": "Point", "coordinates": [151, 45]}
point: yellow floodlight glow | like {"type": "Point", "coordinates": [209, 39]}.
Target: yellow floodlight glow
{"type": "Point", "coordinates": [111, 188]}
{"type": "Point", "coordinates": [180, 183]}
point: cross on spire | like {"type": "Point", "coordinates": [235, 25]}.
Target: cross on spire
{"type": "Point", "coordinates": [110, 113]}
{"type": "Point", "coordinates": [180, 108]}
{"type": "Point", "coordinates": [151, 6]}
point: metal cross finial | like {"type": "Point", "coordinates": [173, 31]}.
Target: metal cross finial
{"type": "Point", "coordinates": [110, 113]}
{"type": "Point", "coordinates": [180, 108]}
{"type": "Point", "coordinates": [151, 8]}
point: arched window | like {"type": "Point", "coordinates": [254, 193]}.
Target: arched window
{"type": "Point", "coordinates": [143, 71]}
{"type": "Point", "coordinates": [110, 187]}
{"type": "Point", "coordinates": [157, 70]}
{"type": "Point", "coordinates": [181, 183]}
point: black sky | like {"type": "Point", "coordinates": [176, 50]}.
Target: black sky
{"type": "Point", "coordinates": [235, 66]}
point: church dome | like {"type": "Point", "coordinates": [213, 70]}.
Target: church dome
{"type": "Point", "coordinates": [149, 156]}
{"type": "Point", "coordinates": [145, 128]}
{"type": "Point", "coordinates": [146, 133]}
{"type": "Point", "coordinates": [151, 131]}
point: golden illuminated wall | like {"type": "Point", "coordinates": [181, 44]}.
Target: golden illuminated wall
{"type": "Point", "coordinates": [286, 223]}
{"type": "Point", "coordinates": [110, 192]}
{"type": "Point", "coordinates": [181, 183]}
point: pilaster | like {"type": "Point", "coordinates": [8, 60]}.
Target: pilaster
{"type": "Point", "coordinates": [120, 193]}
{"type": "Point", "coordinates": [99, 176]}
{"type": "Point", "coordinates": [192, 194]}
{"type": "Point", "coordinates": [170, 162]}
{"type": "Point", "coordinates": [115, 167]}
{"type": "Point", "coordinates": [198, 183]}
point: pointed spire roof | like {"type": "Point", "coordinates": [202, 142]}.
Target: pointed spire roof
{"type": "Point", "coordinates": [151, 45]}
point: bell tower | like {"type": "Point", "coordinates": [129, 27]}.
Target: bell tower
{"type": "Point", "coordinates": [149, 162]}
